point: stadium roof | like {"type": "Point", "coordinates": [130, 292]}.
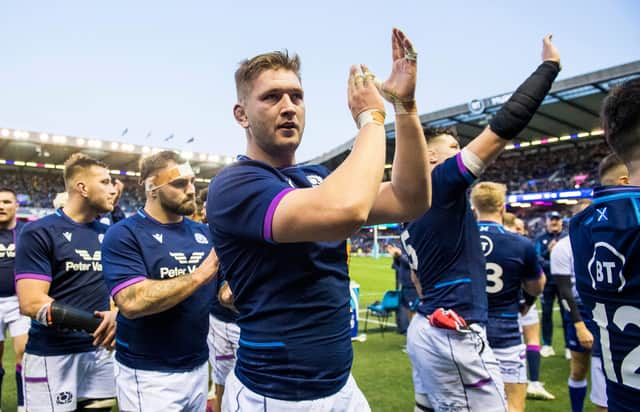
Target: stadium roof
{"type": "Point", "coordinates": [570, 111]}
{"type": "Point", "coordinates": [44, 150]}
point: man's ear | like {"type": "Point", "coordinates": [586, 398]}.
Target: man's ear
{"type": "Point", "coordinates": [432, 157]}
{"type": "Point", "coordinates": [623, 180]}
{"type": "Point", "coordinates": [240, 115]}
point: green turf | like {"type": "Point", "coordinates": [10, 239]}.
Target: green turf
{"type": "Point", "coordinates": [380, 367]}
{"type": "Point", "coordinates": [383, 371]}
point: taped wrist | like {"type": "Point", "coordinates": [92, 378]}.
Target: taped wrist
{"type": "Point", "coordinates": [68, 317]}
{"type": "Point", "coordinates": [517, 112]}
{"type": "Point", "coordinates": [371, 116]}
{"type": "Point", "coordinates": [43, 316]}
{"type": "Point", "coordinates": [472, 162]}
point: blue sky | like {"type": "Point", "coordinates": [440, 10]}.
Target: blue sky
{"type": "Point", "coordinates": [93, 69]}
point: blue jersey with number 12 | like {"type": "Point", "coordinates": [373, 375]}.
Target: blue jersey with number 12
{"type": "Point", "coordinates": [605, 239]}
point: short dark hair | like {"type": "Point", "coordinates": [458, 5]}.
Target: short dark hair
{"type": "Point", "coordinates": [153, 163]}
{"type": "Point", "coordinates": [431, 133]}
{"type": "Point", "coordinates": [202, 195]}
{"type": "Point", "coordinates": [78, 162]}
{"type": "Point", "coordinates": [621, 119]}
{"type": "Point", "coordinates": [251, 68]}
{"type": "Point", "coordinates": [609, 162]}
{"type": "Point", "coordinates": [9, 190]}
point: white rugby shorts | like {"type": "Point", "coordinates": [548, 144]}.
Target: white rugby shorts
{"type": "Point", "coordinates": [238, 397]}
{"type": "Point", "coordinates": [453, 370]}
{"type": "Point", "coordinates": [142, 390]}
{"type": "Point", "coordinates": [10, 318]}
{"type": "Point", "coordinates": [57, 383]}
{"type": "Point", "coordinates": [223, 344]}
{"type": "Point", "coordinates": [513, 364]}
{"type": "Point", "coordinates": [529, 318]}
{"type": "Point", "coordinates": [598, 393]}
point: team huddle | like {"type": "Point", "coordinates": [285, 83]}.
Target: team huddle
{"type": "Point", "coordinates": [130, 313]}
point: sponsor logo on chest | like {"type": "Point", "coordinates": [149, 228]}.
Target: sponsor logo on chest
{"type": "Point", "coordinates": [190, 263]}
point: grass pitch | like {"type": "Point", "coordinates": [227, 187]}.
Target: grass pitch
{"type": "Point", "coordinates": [380, 368]}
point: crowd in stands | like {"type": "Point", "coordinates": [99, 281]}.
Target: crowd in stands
{"type": "Point", "coordinates": [544, 170]}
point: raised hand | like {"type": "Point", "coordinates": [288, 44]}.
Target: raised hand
{"type": "Point", "coordinates": [549, 51]}
{"type": "Point", "coordinates": [363, 95]}
{"type": "Point", "coordinates": [401, 84]}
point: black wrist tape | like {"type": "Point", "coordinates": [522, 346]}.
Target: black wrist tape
{"type": "Point", "coordinates": [68, 317]}
{"type": "Point", "coordinates": [567, 300]}
{"type": "Point", "coordinates": [517, 112]}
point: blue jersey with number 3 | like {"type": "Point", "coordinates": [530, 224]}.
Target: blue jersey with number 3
{"type": "Point", "coordinates": [605, 239]}
{"type": "Point", "coordinates": [511, 260]}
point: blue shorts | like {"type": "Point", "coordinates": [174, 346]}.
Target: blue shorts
{"type": "Point", "coordinates": [571, 336]}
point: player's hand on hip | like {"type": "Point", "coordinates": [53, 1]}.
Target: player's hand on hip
{"type": "Point", "coordinates": [401, 84]}
{"type": "Point", "coordinates": [363, 94]}
{"type": "Point", "coordinates": [208, 268]}
{"type": "Point", "coordinates": [105, 334]}
{"type": "Point", "coordinates": [584, 335]}
{"type": "Point", "coordinates": [549, 51]}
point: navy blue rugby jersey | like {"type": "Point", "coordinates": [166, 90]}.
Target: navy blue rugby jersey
{"type": "Point", "coordinates": [7, 259]}
{"type": "Point", "coordinates": [605, 239]}
{"type": "Point", "coordinates": [402, 266]}
{"type": "Point", "coordinates": [138, 248]}
{"type": "Point", "coordinates": [217, 310]}
{"type": "Point", "coordinates": [444, 247]}
{"type": "Point", "coordinates": [511, 260]}
{"type": "Point", "coordinates": [293, 298]}
{"type": "Point", "coordinates": [67, 254]}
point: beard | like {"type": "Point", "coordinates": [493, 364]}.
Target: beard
{"type": "Point", "coordinates": [100, 205]}
{"type": "Point", "coordinates": [185, 207]}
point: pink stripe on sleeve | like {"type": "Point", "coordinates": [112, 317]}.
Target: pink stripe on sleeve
{"type": "Point", "coordinates": [32, 276]}
{"type": "Point", "coordinates": [268, 218]}
{"type": "Point", "coordinates": [126, 284]}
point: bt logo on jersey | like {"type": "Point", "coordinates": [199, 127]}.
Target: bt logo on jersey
{"type": "Point", "coordinates": [605, 268]}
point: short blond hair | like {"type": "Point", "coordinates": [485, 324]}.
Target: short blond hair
{"type": "Point", "coordinates": [76, 163]}
{"type": "Point", "coordinates": [251, 68]}
{"type": "Point", "coordinates": [488, 197]}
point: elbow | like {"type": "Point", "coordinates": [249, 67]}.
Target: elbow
{"type": "Point", "coordinates": [129, 312]}
{"type": "Point", "coordinates": [354, 217]}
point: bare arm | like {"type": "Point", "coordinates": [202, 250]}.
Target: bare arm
{"type": "Point", "coordinates": [153, 296]}
{"type": "Point", "coordinates": [337, 207]}
{"type": "Point", "coordinates": [408, 194]}
{"type": "Point", "coordinates": [32, 295]}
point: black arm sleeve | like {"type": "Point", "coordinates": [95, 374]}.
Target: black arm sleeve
{"type": "Point", "coordinates": [566, 297]}
{"type": "Point", "coordinates": [517, 112]}
{"type": "Point", "coordinates": [68, 317]}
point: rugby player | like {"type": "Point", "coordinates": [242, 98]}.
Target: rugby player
{"type": "Point", "coordinates": [530, 323]}
{"type": "Point", "coordinates": [605, 239]}
{"type": "Point", "coordinates": [280, 229]}
{"type": "Point", "coordinates": [544, 245]}
{"type": "Point", "coordinates": [58, 275]}
{"type": "Point", "coordinates": [511, 262]}
{"type": "Point", "coordinates": [10, 317]}
{"type": "Point", "coordinates": [158, 266]}
{"type": "Point", "coordinates": [578, 335]}
{"type": "Point", "coordinates": [453, 366]}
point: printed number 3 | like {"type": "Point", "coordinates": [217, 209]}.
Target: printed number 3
{"type": "Point", "coordinates": [494, 275]}
{"type": "Point", "coordinates": [623, 316]}
{"type": "Point", "coordinates": [413, 257]}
